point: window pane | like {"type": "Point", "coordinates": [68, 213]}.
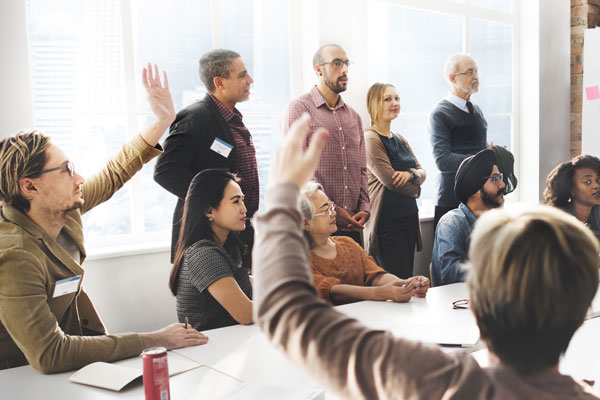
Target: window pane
{"type": "Point", "coordinates": [499, 129]}
{"type": "Point", "coordinates": [491, 47]}
{"type": "Point", "coordinates": [173, 35]}
{"type": "Point", "coordinates": [78, 92]}
{"type": "Point", "coordinates": [264, 49]}
{"type": "Point", "coordinates": [419, 43]}
{"type": "Point", "coordinates": [499, 5]}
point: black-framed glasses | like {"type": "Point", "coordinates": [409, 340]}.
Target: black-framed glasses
{"type": "Point", "coordinates": [69, 167]}
{"type": "Point", "coordinates": [329, 211]}
{"type": "Point", "coordinates": [338, 63]}
{"type": "Point", "coordinates": [470, 72]}
{"type": "Point", "coordinates": [496, 178]}
{"type": "Point", "coordinates": [461, 304]}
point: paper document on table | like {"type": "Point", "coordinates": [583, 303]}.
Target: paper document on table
{"type": "Point", "coordinates": [117, 376]}
{"type": "Point", "coordinates": [262, 392]}
{"type": "Point", "coordinates": [465, 335]}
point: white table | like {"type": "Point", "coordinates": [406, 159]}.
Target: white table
{"type": "Point", "coordinates": [240, 353]}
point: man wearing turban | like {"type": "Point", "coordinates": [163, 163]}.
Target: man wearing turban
{"type": "Point", "coordinates": [480, 187]}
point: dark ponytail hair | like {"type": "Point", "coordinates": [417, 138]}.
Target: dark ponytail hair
{"type": "Point", "coordinates": [205, 192]}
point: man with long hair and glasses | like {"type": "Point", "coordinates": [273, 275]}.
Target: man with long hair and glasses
{"type": "Point", "coordinates": [46, 317]}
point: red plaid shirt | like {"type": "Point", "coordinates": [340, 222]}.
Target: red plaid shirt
{"type": "Point", "coordinates": [244, 157]}
{"type": "Point", "coordinates": [343, 166]}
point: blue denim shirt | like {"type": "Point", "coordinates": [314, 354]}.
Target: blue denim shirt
{"type": "Point", "coordinates": [451, 245]}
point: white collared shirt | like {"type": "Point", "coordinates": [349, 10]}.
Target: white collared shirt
{"type": "Point", "coordinates": [457, 101]}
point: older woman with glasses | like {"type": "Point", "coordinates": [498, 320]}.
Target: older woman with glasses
{"type": "Point", "coordinates": [342, 271]}
{"type": "Point", "coordinates": [394, 179]}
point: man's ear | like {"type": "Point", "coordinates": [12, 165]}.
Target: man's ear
{"type": "Point", "coordinates": [452, 78]}
{"type": "Point", "coordinates": [218, 82]}
{"type": "Point", "coordinates": [27, 187]}
{"type": "Point", "coordinates": [317, 69]}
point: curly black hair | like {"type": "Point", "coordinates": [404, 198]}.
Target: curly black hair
{"type": "Point", "coordinates": [559, 182]}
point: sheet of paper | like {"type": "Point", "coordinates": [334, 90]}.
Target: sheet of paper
{"type": "Point", "coordinates": [105, 375]}
{"type": "Point", "coordinates": [117, 376]}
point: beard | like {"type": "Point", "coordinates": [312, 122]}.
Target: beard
{"type": "Point", "coordinates": [469, 90]}
{"type": "Point", "coordinates": [336, 87]}
{"type": "Point", "coordinates": [490, 200]}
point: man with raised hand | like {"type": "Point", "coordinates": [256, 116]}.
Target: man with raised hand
{"type": "Point", "coordinates": [46, 317]}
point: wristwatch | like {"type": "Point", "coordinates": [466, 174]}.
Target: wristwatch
{"type": "Point", "coordinates": [412, 176]}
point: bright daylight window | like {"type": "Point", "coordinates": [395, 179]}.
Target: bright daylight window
{"type": "Point", "coordinates": [86, 61]}
{"type": "Point", "coordinates": [416, 43]}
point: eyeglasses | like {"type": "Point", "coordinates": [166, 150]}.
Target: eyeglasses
{"type": "Point", "coordinates": [329, 211]}
{"type": "Point", "coordinates": [496, 178]}
{"type": "Point", "coordinates": [470, 72]}
{"type": "Point", "coordinates": [460, 304]}
{"type": "Point", "coordinates": [69, 167]}
{"type": "Point", "coordinates": [338, 63]}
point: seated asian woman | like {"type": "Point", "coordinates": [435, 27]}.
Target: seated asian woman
{"type": "Point", "coordinates": [342, 271]}
{"type": "Point", "coordinates": [212, 286]}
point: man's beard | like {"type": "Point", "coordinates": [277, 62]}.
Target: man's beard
{"type": "Point", "coordinates": [336, 87]}
{"type": "Point", "coordinates": [490, 200]}
{"type": "Point", "coordinates": [469, 90]}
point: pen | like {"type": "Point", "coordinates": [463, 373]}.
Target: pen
{"type": "Point", "coordinates": [186, 322]}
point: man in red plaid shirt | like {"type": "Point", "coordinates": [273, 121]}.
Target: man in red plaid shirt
{"type": "Point", "coordinates": [342, 168]}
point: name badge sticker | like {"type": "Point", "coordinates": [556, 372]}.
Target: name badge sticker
{"type": "Point", "coordinates": [66, 286]}
{"type": "Point", "coordinates": [221, 147]}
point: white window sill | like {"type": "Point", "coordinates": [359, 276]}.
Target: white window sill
{"type": "Point", "coordinates": [130, 249]}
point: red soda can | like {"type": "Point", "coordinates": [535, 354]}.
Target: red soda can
{"type": "Point", "coordinates": [156, 374]}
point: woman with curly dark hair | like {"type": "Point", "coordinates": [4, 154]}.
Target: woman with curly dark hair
{"type": "Point", "coordinates": [574, 186]}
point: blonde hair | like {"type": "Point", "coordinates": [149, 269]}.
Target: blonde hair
{"type": "Point", "coordinates": [375, 99]}
{"type": "Point", "coordinates": [533, 275]}
{"type": "Point", "coordinates": [21, 156]}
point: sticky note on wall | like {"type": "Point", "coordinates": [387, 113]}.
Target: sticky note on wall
{"type": "Point", "coordinates": [592, 92]}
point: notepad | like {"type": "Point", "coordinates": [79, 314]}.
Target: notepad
{"type": "Point", "coordinates": [116, 377]}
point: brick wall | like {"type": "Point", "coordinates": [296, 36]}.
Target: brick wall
{"type": "Point", "coordinates": [584, 14]}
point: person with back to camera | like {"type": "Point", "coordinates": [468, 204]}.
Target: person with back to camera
{"type": "Point", "coordinates": [574, 186]}
{"type": "Point", "coordinates": [212, 287]}
{"type": "Point", "coordinates": [533, 275]}
{"type": "Point", "coordinates": [394, 178]}
{"type": "Point", "coordinates": [342, 271]}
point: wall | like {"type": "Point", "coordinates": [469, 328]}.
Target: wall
{"type": "Point", "coordinates": [584, 14]}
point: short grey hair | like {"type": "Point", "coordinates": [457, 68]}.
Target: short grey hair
{"type": "Point", "coordinates": [215, 63]}
{"type": "Point", "coordinates": [306, 205]}
{"type": "Point", "coordinates": [318, 57]}
{"type": "Point", "coordinates": [451, 65]}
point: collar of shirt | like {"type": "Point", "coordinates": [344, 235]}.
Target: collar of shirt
{"type": "Point", "coordinates": [468, 213]}
{"type": "Point", "coordinates": [319, 100]}
{"type": "Point", "coordinates": [225, 112]}
{"type": "Point", "coordinates": [459, 102]}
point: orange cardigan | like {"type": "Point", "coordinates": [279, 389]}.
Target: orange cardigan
{"type": "Point", "coordinates": [351, 266]}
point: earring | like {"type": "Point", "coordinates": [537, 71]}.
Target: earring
{"type": "Point", "coordinates": [210, 219]}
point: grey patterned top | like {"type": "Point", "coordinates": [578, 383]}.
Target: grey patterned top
{"type": "Point", "coordinates": [204, 263]}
